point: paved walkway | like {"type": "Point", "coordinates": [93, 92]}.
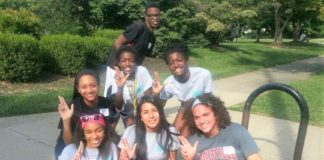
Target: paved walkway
{"type": "Point", "coordinates": [33, 136]}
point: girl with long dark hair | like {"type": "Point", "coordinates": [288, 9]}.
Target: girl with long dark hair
{"type": "Point", "coordinates": [85, 100]}
{"type": "Point", "coordinates": [152, 137]}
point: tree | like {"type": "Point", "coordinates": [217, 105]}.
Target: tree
{"type": "Point", "coordinates": [299, 12]}
{"type": "Point", "coordinates": [55, 15]}
{"type": "Point", "coordinates": [222, 18]}
{"type": "Point", "coordinates": [303, 13]}
{"type": "Point", "coordinates": [20, 22]}
{"type": "Point", "coordinates": [115, 13]}
{"type": "Point", "coordinates": [263, 20]}
{"type": "Point", "coordinates": [282, 16]}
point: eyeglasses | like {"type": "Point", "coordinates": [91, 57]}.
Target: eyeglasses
{"type": "Point", "coordinates": [152, 15]}
{"type": "Point", "coordinates": [96, 118]}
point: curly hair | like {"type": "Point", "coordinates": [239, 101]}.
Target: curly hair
{"type": "Point", "coordinates": [223, 118]}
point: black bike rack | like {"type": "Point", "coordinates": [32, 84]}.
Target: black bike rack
{"type": "Point", "coordinates": [304, 114]}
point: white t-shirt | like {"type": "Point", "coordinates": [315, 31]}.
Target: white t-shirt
{"type": "Point", "coordinates": [154, 150]}
{"type": "Point", "coordinates": [199, 82]}
{"type": "Point", "coordinates": [143, 81]}
{"type": "Point", "coordinates": [89, 153]}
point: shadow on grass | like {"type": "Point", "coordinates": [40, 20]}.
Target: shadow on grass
{"type": "Point", "coordinates": [224, 48]}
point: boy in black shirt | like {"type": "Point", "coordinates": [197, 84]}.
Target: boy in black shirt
{"type": "Point", "coordinates": [139, 35]}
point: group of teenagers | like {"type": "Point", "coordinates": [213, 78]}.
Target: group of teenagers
{"type": "Point", "coordinates": [202, 128]}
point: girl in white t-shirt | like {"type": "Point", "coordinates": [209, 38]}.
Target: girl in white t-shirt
{"type": "Point", "coordinates": [128, 83]}
{"type": "Point", "coordinates": [152, 137]}
{"type": "Point", "coordinates": [94, 138]}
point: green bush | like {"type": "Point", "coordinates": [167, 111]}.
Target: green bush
{"type": "Point", "coordinates": [164, 37]}
{"type": "Point", "coordinates": [96, 50]}
{"type": "Point", "coordinates": [110, 34]}
{"type": "Point", "coordinates": [67, 54]}
{"type": "Point", "coordinates": [20, 22]}
{"type": "Point", "coordinates": [19, 58]}
{"type": "Point", "coordinates": [63, 53]}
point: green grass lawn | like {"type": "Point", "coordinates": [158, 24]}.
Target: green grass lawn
{"type": "Point", "coordinates": [31, 102]}
{"type": "Point", "coordinates": [317, 40]}
{"type": "Point", "coordinates": [235, 58]}
{"type": "Point", "coordinates": [226, 60]}
{"type": "Point", "coordinates": [281, 105]}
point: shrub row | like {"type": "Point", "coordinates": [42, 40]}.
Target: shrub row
{"type": "Point", "coordinates": [23, 58]}
{"type": "Point", "coordinates": [67, 54]}
{"type": "Point", "coordinates": [20, 21]}
{"type": "Point", "coordinates": [19, 57]}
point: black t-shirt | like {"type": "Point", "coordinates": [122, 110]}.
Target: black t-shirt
{"type": "Point", "coordinates": [138, 36]}
{"type": "Point", "coordinates": [105, 107]}
{"type": "Point", "coordinates": [141, 38]}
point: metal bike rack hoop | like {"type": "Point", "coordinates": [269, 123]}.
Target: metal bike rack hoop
{"type": "Point", "coordinates": [304, 114]}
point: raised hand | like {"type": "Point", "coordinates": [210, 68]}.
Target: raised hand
{"type": "Point", "coordinates": [65, 112]}
{"type": "Point", "coordinates": [120, 78]}
{"type": "Point", "coordinates": [156, 85]}
{"type": "Point", "coordinates": [78, 153]}
{"type": "Point", "coordinates": [187, 150]}
{"type": "Point", "coordinates": [126, 152]}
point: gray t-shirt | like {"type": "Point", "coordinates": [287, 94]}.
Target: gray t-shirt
{"type": "Point", "coordinates": [200, 82]}
{"type": "Point", "coordinates": [154, 150]}
{"type": "Point", "coordinates": [234, 143]}
{"type": "Point", "coordinates": [89, 153]}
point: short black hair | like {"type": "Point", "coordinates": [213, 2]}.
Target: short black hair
{"type": "Point", "coordinates": [123, 49]}
{"type": "Point", "coordinates": [179, 47]}
{"type": "Point", "coordinates": [151, 4]}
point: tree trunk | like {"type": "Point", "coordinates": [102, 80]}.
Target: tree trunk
{"type": "Point", "coordinates": [278, 34]}
{"type": "Point", "coordinates": [297, 28]}
{"type": "Point", "coordinates": [258, 35]}
{"type": "Point", "coordinates": [278, 18]}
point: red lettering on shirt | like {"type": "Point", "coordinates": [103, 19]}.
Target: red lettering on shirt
{"type": "Point", "coordinates": [216, 153]}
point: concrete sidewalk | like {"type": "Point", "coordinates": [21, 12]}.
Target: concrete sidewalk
{"type": "Point", "coordinates": [33, 136]}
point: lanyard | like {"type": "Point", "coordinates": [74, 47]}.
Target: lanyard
{"type": "Point", "coordinates": [134, 98]}
{"type": "Point", "coordinates": [133, 95]}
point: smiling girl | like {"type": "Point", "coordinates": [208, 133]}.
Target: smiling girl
{"type": "Point", "coordinates": [94, 139]}
{"type": "Point", "coordinates": [85, 100]}
{"type": "Point", "coordinates": [151, 138]}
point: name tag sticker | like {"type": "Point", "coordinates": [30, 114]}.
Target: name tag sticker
{"type": "Point", "coordinates": [104, 111]}
{"type": "Point", "coordinates": [229, 150]}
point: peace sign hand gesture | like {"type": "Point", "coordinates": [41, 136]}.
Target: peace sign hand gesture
{"type": "Point", "coordinates": [187, 150]}
{"type": "Point", "coordinates": [126, 152]}
{"type": "Point", "coordinates": [65, 112]}
{"type": "Point", "coordinates": [120, 78]}
{"type": "Point", "coordinates": [78, 153]}
{"type": "Point", "coordinates": [156, 85]}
